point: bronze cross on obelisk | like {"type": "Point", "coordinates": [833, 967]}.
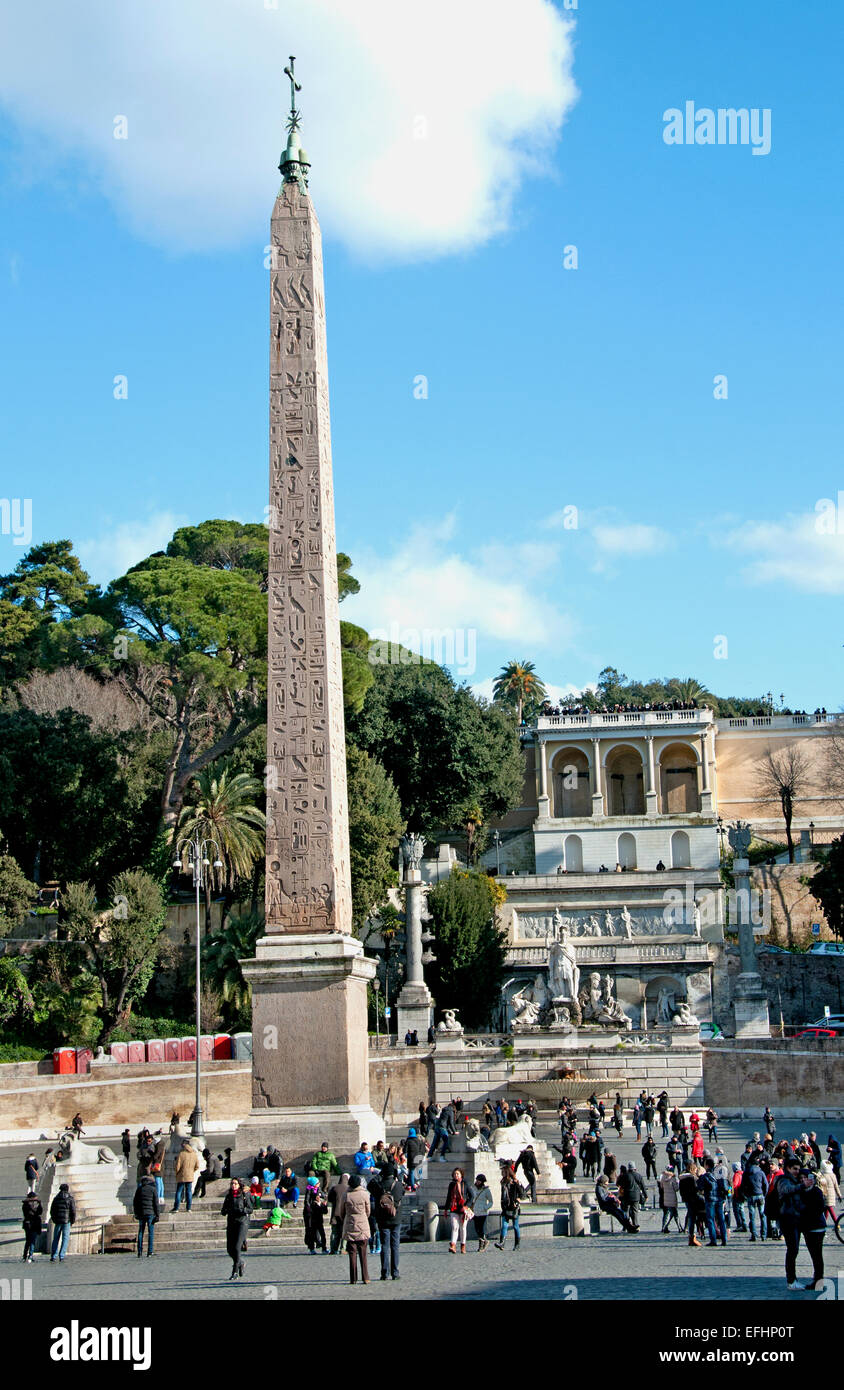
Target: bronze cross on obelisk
{"type": "Point", "coordinates": [293, 119]}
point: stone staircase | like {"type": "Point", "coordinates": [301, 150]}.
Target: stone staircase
{"type": "Point", "coordinates": [203, 1228]}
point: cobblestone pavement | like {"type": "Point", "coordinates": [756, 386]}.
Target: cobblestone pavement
{"type": "Point", "coordinates": [648, 1266]}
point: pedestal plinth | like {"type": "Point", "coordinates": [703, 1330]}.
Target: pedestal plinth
{"type": "Point", "coordinates": [310, 1048]}
{"type": "Point", "coordinates": [415, 1011]}
{"type": "Point", "coordinates": [750, 1005]}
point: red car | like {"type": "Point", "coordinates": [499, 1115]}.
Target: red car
{"type": "Point", "coordinates": [818, 1033]}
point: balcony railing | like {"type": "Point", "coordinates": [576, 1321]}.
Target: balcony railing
{"type": "Point", "coordinates": [780, 721]}
{"type": "Point", "coordinates": [624, 719]}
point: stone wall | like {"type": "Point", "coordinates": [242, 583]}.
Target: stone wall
{"type": "Point", "coordinates": [796, 1077]}
{"type": "Point", "coordinates": [804, 983]}
{"type": "Point", "coordinates": [792, 907]}
{"type": "Point", "coordinates": [398, 1080]}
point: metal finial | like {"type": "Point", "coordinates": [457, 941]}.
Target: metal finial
{"type": "Point", "coordinates": [294, 163]}
{"type": "Point", "coordinates": [295, 116]}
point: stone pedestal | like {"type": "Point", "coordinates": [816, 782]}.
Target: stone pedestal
{"type": "Point", "coordinates": [750, 1006]}
{"type": "Point", "coordinates": [414, 1011]}
{"type": "Point", "coordinates": [310, 1062]}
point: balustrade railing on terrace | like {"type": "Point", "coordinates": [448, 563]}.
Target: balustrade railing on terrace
{"type": "Point", "coordinates": [598, 720]}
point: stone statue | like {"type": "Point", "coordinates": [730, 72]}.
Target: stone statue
{"type": "Point", "coordinates": [449, 1023]}
{"type": "Point", "coordinates": [683, 1016]}
{"type": "Point", "coordinates": [412, 848]}
{"type": "Point", "coordinates": [626, 923]}
{"type": "Point", "coordinates": [528, 1003]}
{"type": "Point", "coordinates": [664, 1006]}
{"type": "Point", "coordinates": [598, 1005]}
{"type": "Point", "coordinates": [511, 1137]}
{"type": "Point", "coordinates": [608, 926]}
{"type": "Point", "coordinates": [696, 921]}
{"type": "Point", "coordinates": [563, 973]}
{"type": "Point", "coordinates": [559, 924]}
{"type": "Point", "coordinates": [739, 836]}
{"type": "Point", "coordinates": [594, 926]}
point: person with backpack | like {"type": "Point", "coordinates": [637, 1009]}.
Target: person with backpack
{"type": "Point", "coordinates": [709, 1186]}
{"type": "Point", "coordinates": [511, 1204]}
{"type": "Point", "coordinates": [481, 1201]}
{"type": "Point", "coordinates": [32, 1224]}
{"type": "Point", "coordinates": [146, 1209]}
{"type": "Point", "coordinates": [62, 1215]}
{"type": "Point", "coordinates": [387, 1190]}
{"type": "Point", "coordinates": [416, 1149]}
{"type": "Point", "coordinates": [754, 1190]}
{"type": "Point", "coordinates": [458, 1210]}
{"type": "Point", "coordinates": [30, 1169]}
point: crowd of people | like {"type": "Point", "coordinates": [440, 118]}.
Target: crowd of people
{"type": "Point", "coordinates": [556, 711]}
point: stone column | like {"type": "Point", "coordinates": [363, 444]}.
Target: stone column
{"type": "Point", "coordinates": [750, 1002]}
{"type": "Point", "coordinates": [598, 794]}
{"type": "Point", "coordinates": [414, 1004]}
{"type": "Point", "coordinates": [651, 796]}
{"type": "Point", "coordinates": [544, 799]}
{"type": "Point", "coordinates": [706, 788]}
{"type": "Point", "coordinates": [310, 1045]}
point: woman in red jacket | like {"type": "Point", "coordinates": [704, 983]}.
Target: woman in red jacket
{"type": "Point", "coordinates": [458, 1210]}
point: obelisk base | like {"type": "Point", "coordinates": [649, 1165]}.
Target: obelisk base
{"type": "Point", "coordinates": [310, 1047]}
{"type": "Point", "coordinates": [750, 1006]}
{"type": "Point", "coordinates": [415, 1011]}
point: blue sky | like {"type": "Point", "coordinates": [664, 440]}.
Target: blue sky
{"type": "Point", "coordinates": [547, 388]}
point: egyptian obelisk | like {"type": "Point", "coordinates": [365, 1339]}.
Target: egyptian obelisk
{"type": "Point", "coordinates": [310, 1064]}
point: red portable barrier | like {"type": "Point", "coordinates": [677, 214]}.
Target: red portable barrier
{"type": "Point", "coordinates": [173, 1050]}
{"type": "Point", "coordinates": [188, 1049]}
{"type": "Point", "coordinates": [155, 1050]}
{"type": "Point", "coordinates": [83, 1059]}
{"type": "Point", "coordinates": [64, 1061]}
{"type": "Point", "coordinates": [120, 1052]}
{"type": "Point", "coordinates": [137, 1052]}
{"type": "Point", "coordinates": [222, 1047]}
{"type": "Point", "coordinates": [206, 1047]}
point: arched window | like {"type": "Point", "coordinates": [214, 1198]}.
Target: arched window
{"type": "Point", "coordinates": [625, 783]}
{"type": "Point", "coordinates": [681, 857]}
{"type": "Point", "coordinates": [573, 852]}
{"type": "Point", "coordinates": [627, 850]}
{"type": "Point", "coordinates": [678, 774]}
{"type": "Point", "coordinates": [570, 780]}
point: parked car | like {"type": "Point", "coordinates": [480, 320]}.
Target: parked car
{"type": "Point", "coordinates": [827, 1021]}
{"type": "Point", "coordinates": [708, 1031]}
{"type": "Point", "coordinates": [827, 948]}
{"type": "Point", "coordinates": [835, 1031]}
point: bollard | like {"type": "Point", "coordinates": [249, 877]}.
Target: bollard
{"type": "Point", "coordinates": [432, 1220]}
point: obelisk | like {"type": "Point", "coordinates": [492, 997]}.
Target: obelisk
{"type": "Point", "coordinates": [310, 1063]}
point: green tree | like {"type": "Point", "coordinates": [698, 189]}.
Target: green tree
{"type": "Point", "coordinates": [122, 944]}
{"type": "Point", "coordinates": [47, 587]}
{"type": "Point", "coordinates": [440, 744]}
{"type": "Point", "coordinates": [375, 826]}
{"type": "Point", "coordinates": [357, 669]}
{"type": "Point", "coordinates": [688, 690]}
{"type": "Point", "coordinates": [470, 948]}
{"type": "Point", "coordinates": [16, 1002]}
{"type": "Point", "coordinates": [518, 685]}
{"type": "Point", "coordinates": [223, 954]}
{"type": "Point", "coordinates": [827, 887]}
{"type": "Point", "coordinates": [66, 995]}
{"type": "Point", "coordinates": [17, 894]}
{"type": "Point", "coordinates": [225, 810]}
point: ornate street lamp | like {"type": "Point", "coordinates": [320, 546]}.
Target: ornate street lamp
{"type": "Point", "coordinates": [195, 851]}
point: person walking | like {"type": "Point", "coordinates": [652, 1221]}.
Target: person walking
{"type": "Point", "coordinates": [30, 1169]}
{"type": "Point", "coordinates": [458, 1210]}
{"type": "Point", "coordinates": [355, 1230]}
{"type": "Point", "coordinates": [126, 1145]}
{"type": "Point", "coordinates": [669, 1186]}
{"type": "Point", "coordinates": [692, 1201]}
{"type": "Point", "coordinates": [754, 1189]}
{"type": "Point", "coordinates": [708, 1185]}
{"type": "Point", "coordinates": [147, 1211]}
{"type": "Point", "coordinates": [712, 1125]}
{"type": "Point", "coordinates": [33, 1213]}
{"type": "Point", "coordinates": [648, 1114]}
{"type": "Point", "coordinates": [481, 1202]}
{"type": "Point", "coordinates": [618, 1115]}
{"type": "Point", "coordinates": [785, 1203]}
{"type": "Point", "coordinates": [530, 1168]}
{"type": "Point", "coordinates": [314, 1208]}
{"type": "Point", "coordinates": [388, 1191]}
{"type": "Point", "coordinates": [186, 1167]}
{"type": "Point", "coordinates": [237, 1209]}
{"type": "Point", "coordinates": [769, 1122]}
{"type": "Point", "coordinates": [62, 1215]}
{"type": "Point", "coordinates": [649, 1155]}
{"type": "Point", "coordinates": [634, 1195]}
{"type": "Point", "coordinates": [697, 1146]}
{"type": "Point", "coordinates": [662, 1112]}
{"type": "Point", "coordinates": [337, 1203]}
{"type": "Point", "coordinates": [511, 1204]}
{"type": "Point", "coordinates": [833, 1153]}
{"type": "Point", "coordinates": [415, 1149]}
{"type": "Point", "coordinates": [829, 1187]}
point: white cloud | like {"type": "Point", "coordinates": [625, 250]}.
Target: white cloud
{"type": "Point", "coordinates": [485, 83]}
{"type": "Point", "coordinates": [630, 538]}
{"type": "Point", "coordinates": [119, 547]}
{"type": "Point", "coordinates": [427, 585]}
{"type": "Point", "coordinates": [805, 551]}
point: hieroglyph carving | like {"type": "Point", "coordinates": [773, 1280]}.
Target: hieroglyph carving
{"type": "Point", "coordinates": [308, 885]}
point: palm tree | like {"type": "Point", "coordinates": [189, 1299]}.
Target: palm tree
{"type": "Point", "coordinates": [225, 811]}
{"type": "Point", "coordinates": [518, 684]}
{"type": "Point", "coordinates": [222, 956]}
{"type": "Point", "coordinates": [689, 690]}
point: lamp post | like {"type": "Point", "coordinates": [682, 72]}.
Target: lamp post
{"type": "Point", "coordinates": [196, 852]}
{"type": "Point", "coordinates": [496, 835]}
{"type": "Point", "coordinates": [376, 985]}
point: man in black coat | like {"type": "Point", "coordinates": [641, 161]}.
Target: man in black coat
{"type": "Point", "coordinates": [387, 1191]}
{"type": "Point", "coordinates": [649, 1155]}
{"type": "Point", "coordinates": [529, 1166]}
{"type": "Point", "coordinates": [62, 1215]}
{"type": "Point", "coordinates": [147, 1211]}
